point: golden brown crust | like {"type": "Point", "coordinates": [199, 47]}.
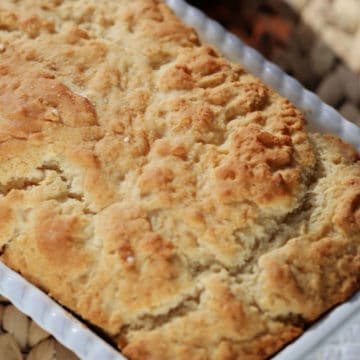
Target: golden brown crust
{"type": "Point", "coordinates": [174, 200]}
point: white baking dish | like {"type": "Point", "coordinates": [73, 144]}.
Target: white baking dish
{"type": "Point", "coordinates": [89, 346]}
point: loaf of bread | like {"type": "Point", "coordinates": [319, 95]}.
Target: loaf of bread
{"type": "Point", "coordinates": [162, 193]}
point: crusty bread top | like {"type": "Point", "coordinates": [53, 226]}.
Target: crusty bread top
{"type": "Point", "coordinates": [161, 192]}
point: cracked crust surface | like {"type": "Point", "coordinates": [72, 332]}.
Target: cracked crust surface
{"type": "Point", "coordinates": [175, 202]}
